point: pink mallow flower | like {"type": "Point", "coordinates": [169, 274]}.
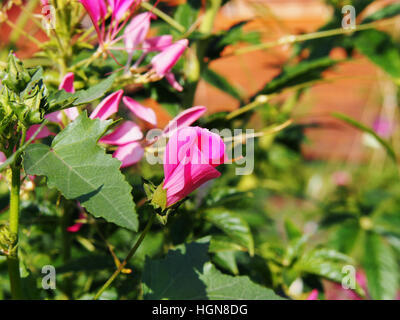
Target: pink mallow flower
{"type": "Point", "coordinates": [313, 295]}
{"type": "Point", "coordinates": [190, 158]}
{"type": "Point", "coordinates": [127, 136]}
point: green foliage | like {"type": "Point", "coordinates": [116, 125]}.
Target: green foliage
{"type": "Point", "coordinates": [81, 170]}
{"type": "Point", "coordinates": [186, 273]}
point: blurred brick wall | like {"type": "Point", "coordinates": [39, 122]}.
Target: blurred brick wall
{"type": "Point", "coordinates": [355, 90]}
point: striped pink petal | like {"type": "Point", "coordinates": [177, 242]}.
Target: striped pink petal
{"type": "Point", "coordinates": [44, 132]}
{"type": "Point", "coordinates": [140, 111]}
{"type": "Point", "coordinates": [157, 43]}
{"type": "Point", "coordinates": [166, 59]}
{"type": "Point", "coordinates": [125, 133]}
{"type": "Point", "coordinates": [184, 119]}
{"type": "Point", "coordinates": [137, 30]}
{"type": "Point", "coordinates": [108, 106]}
{"type": "Point", "coordinates": [129, 154]}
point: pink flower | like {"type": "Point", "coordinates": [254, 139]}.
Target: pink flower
{"type": "Point", "coordinates": [136, 31]}
{"type": "Point", "coordinates": [164, 61]}
{"type": "Point", "coordinates": [313, 295]}
{"type": "Point", "coordinates": [77, 226]}
{"type": "Point", "coordinates": [132, 152]}
{"type": "Point", "coordinates": [157, 43]}
{"type": "Point", "coordinates": [108, 106]}
{"type": "Point", "coordinates": [72, 113]}
{"type": "Point", "coordinates": [2, 157]}
{"type": "Point", "coordinates": [190, 158]}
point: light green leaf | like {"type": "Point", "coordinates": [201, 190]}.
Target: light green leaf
{"type": "Point", "coordinates": [381, 268]}
{"type": "Point", "coordinates": [221, 83]}
{"type": "Point", "coordinates": [364, 128]}
{"type": "Point", "coordinates": [186, 273]}
{"type": "Point", "coordinates": [81, 170]}
{"type": "Point", "coordinates": [232, 225]}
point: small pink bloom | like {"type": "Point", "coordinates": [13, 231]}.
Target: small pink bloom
{"type": "Point", "coordinates": [129, 154]}
{"type": "Point", "coordinates": [2, 157]}
{"type": "Point", "coordinates": [383, 127]}
{"type": "Point", "coordinates": [44, 132]}
{"type": "Point", "coordinates": [341, 178]}
{"type": "Point", "coordinates": [166, 59]}
{"type": "Point", "coordinates": [77, 226]}
{"type": "Point", "coordinates": [140, 111]}
{"type": "Point", "coordinates": [136, 31]}
{"type": "Point", "coordinates": [313, 295]}
{"type": "Point", "coordinates": [190, 158]}
{"type": "Point", "coordinates": [125, 133]}
{"type": "Point", "coordinates": [108, 106]}
{"type": "Point", "coordinates": [157, 43]}
{"type": "Point", "coordinates": [72, 113]}
{"type": "Point", "coordinates": [184, 119]}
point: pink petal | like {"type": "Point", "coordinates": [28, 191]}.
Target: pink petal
{"type": "Point", "coordinates": [171, 80]}
{"type": "Point", "coordinates": [96, 9]}
{"type": "Point", "coordinates": [108, 106]}
{"type": "Point", "coordinates": [44, 132]}
{"type": "Point", "coordinates": [313, 295]}
{"type": "Point", "coordinates": [67, 83]}
{"type": "Point", "coordinates": [125, 133]}
{"type": "Point", "coordinates": [77, 226]}
{"type": "Point", "coordinates": [72, 113]}
{"type": "Point", "coordinates": [165, 60]}
{"type": "Point", "coordinates": [184, 119]}
{"type": "Point", "coordinates": [137, 30]}
{"type": "Point", "coordinates": [2, 157]}
{"type": "Point", "coordinates": [142, 112]}
{"type": "Point", "coordinates": [129, 154]}
{"type": "Point", "coordinates": [157, 43]}
{"type": "Point", "coordinates": [120, 7]}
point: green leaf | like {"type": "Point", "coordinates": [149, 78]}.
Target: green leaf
{"type": "Point", "coordinates": [95, 92]}
{"type": "Point", "coordinates": [381, 268]}
{"type": "Point", "coordinates": [364, 128]}
{"type": "Point", "coordinates": [187, 13]}
{"type": "Point", "coordinates": [380, 48]}
{"type": "Point", "coordinates": [186, 273]}
{"type": "Point", "coordinates": [292, 231]}
{"type": "Point", "coordinates": [384, 13]}
{"type": "Point", "coordinates": [232, 225]}
{"type": "Point", "coordinates": [227, 261]}
{"type": "Point", "coordinates": [61, 99]}
{"type": "Point", "coordinates": [301, 73]}
{"type": "Point", "coordinates": [220, 82]}
{"type": "Point", "coordinates": [81, 170]}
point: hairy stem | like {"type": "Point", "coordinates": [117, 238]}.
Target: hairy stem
{"type": "Point", "coordinates": [12, 258]}
{"type": "Point", "coordinates": [128, 257]}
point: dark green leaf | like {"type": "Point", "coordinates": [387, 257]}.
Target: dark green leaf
{"type": "Point", "coordinates": [220, 82]}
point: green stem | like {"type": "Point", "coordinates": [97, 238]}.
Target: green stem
{"type": "Point", "coordinates": [162, 15]}
{"type": "Point", "coordinates": [195, 61]}
{"type": "Point", "coordinates": [311, 36]}
{"type": "Point", "coordinates": [128, 257]}
{"type": "Point", "coordinates": [12, 258]}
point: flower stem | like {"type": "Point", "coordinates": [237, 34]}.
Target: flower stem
{"type": "Point", "coordinates": [12, 258]}
{"type": "Point", "coordinates": [128, 257]}
{"type": "Point", "coordinates": [290, 39]}
{"type": "Point", "coordinates": [164, 16]}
